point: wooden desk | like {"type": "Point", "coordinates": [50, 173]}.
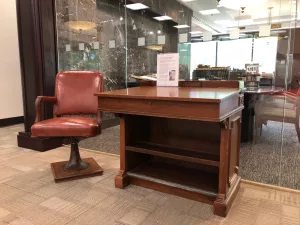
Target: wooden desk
{"type": "Point", "coordinates": [179, 140]}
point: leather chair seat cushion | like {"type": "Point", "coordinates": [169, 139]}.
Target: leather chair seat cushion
{"type": "Point", "coordinates": [69, 126]}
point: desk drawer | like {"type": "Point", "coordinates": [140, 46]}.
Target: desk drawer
{"type": "Point", "coordinates": [160, 108]}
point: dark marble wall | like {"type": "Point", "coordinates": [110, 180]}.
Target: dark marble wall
{"type": "Point", "coordinates": [113, 23]}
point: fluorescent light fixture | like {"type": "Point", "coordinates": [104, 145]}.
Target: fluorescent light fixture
{"type": "Point", "coordinates": [195, 32]}
{"type": "Point", "coordinates": [162, 18]}
{"type": "Point", "coordinates": [182, 26]}
{"type": "Point", "coordinates": [209, 12]}
{"type": "Point", "coordinates": [237, 4]}
{"type": "Point", "coordinates": [187, 0]}
{"type": "Point", "coordinates": [278, 31]}
{"type": "Point", "coordinates": [136, 6]}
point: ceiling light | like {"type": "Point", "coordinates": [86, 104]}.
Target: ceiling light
{"type": "Point", "coordinates": [237, 4]}
{"type": "Point", "coordinates": [159, 31]}
{"type": "Point", "coordinates": [209, 12]}
{"type": "Point", "coordinates": [181, 26]}
{"type": "Point", "coordinates": [155, 47]}
{"type": "Point", "coordinates": [136, 6]}
{"type": "Point", "coordinates": [278, 31]}
{"type": "Point", "coordinates": [223, 22]}
{"type": "Point", "coordinates": [80, 25]}
{"type": "Point", "coordinates": [151, 32]}
{"type": "Point", "coordinates": [195, 32]}
{"type": "Point", "coordinates": [162, 18]}
{"type": "Point", "coordinates": [187, 0]}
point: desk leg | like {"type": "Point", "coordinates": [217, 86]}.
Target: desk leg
{"type": "Point", "coordinates": [122, 179]}
{"type": "Point", "coordinates": [229, 180]}
{"type": "Point", "coordinates": [129, 132]}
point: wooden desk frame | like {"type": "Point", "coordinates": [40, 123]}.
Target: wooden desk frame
{"type": "Point", "coordinates": [145, 150]}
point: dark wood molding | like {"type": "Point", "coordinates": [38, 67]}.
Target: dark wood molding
{"type": "Point", "coordinates": [38, 58]}
{"type": "Point", "coordinates": [11, 121]}
{"type": "Point", "coordinates": [39, 144]}
{"type": "Point", "coordinates": [110, 123]}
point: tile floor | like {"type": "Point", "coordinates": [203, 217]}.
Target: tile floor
{"type": "Point", "coordinates": [29, 196]}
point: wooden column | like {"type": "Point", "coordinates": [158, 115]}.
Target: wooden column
{"type": "Point", "coordinates": [37, 43]}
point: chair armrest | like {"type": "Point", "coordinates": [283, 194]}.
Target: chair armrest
{"type": "Point", "coordinates": [99, 121]}
{"type": "Point", "coordinates": [38, 101]}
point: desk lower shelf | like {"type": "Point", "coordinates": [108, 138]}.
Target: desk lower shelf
{"type": "Point", "coordinates": [196, 182]}
{"type": "Point", "coordinates": [175, 153]}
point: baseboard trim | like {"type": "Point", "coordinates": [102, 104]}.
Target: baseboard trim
{"type": "Point", "coordinates": [38, 144]}
{"type": "Point", "coordinates": [98, 152]}
{"type": "Point", "coordinates": [11, 121]}
{"type": "Point", "coordinates": [269, 186]}
{"type": "Point", "coordinates": [110, 123]}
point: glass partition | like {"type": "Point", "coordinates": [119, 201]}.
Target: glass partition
{"type": "Point", "coordinates": [235, 53]}
{"type": "Point", "coordinates": [216, 40]}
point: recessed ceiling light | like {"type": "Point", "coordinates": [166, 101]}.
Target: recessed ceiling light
{"type": "Point", "coordinates": [136, 6]}
{"type": "Point", "coordinates": [182, 26]}
{"type": "Point", "coordinates": [223, 22]}
{"type": "Point", "coordinates": [195, 32]}
{"type": "Point", "coordinates": [209, 12]}
{"type": "Point", "coordinates": [162, 18]}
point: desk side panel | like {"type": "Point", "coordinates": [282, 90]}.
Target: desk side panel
{"type": "Point", "coordinates": [161, 108]}
{"type": "Point", "coordinates": [229, 104]}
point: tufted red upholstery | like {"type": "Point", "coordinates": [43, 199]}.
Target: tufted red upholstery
{"type": "Point", "coordinates": [74, 94]}
{"type": "Point", "coordinates": [75, 91]}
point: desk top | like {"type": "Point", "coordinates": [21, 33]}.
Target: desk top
{"type": "Point", "coordinates": [173, 93]}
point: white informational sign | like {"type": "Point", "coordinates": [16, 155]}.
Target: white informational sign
{"type": "Point", "coordinates": [252, 68]}
{"type": "Point", "coordinates": [141, 41]}
{"type": "Point", "coordinates": [112, 43]}
{"type": "Point", "coordinates": [96, 45]}
{"type": "Point", "coordinates": [235, 33]}
{"type": "Point", "coordinates": [183, 38]}
{"type": "Point", "coordinates": [265, 30]}
{"type": "Point", "coordinates": [68, 48]}
{"type": "Point", "coordinates": [161, 40]}
{"type": "Point", "coordinates": [81, 46]}
{"type": "Point", "coordinates": [168, 69]}
{"type": "Point", "coordinates": [207, 36]}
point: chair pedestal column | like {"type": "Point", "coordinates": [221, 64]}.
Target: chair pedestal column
{"type": "Point", "coordinates": [75, 162]}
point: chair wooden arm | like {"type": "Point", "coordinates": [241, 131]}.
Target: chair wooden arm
{"type": "Point", "coordinates": [99, 121]}
{"type": "Point", "coordinates": [38, 101]}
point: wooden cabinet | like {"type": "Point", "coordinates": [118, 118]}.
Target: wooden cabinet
{"type": "Point", "coordinates": [179, 140]}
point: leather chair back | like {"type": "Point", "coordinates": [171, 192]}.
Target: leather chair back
{"type": "Point", "coordinates": [75, 91]}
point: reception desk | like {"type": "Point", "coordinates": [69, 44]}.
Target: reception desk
{"type": "Point", "coordinates": [179, 140]}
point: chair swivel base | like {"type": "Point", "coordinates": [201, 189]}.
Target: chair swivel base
{"type": "Point", "coordinates": [60, 174]}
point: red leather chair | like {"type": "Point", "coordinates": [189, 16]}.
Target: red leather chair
{"type": "Point", "coordinates": [74, 99]}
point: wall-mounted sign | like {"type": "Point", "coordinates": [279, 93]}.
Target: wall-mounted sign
{"type": "Point", "coordinates": [141, 41]}
{"type": "Point", "coordinates": [112, 43]}
{"type": "Point", "coordinates": [252, 68]}
{"type": "Point", "coordinates": [276, 26]}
